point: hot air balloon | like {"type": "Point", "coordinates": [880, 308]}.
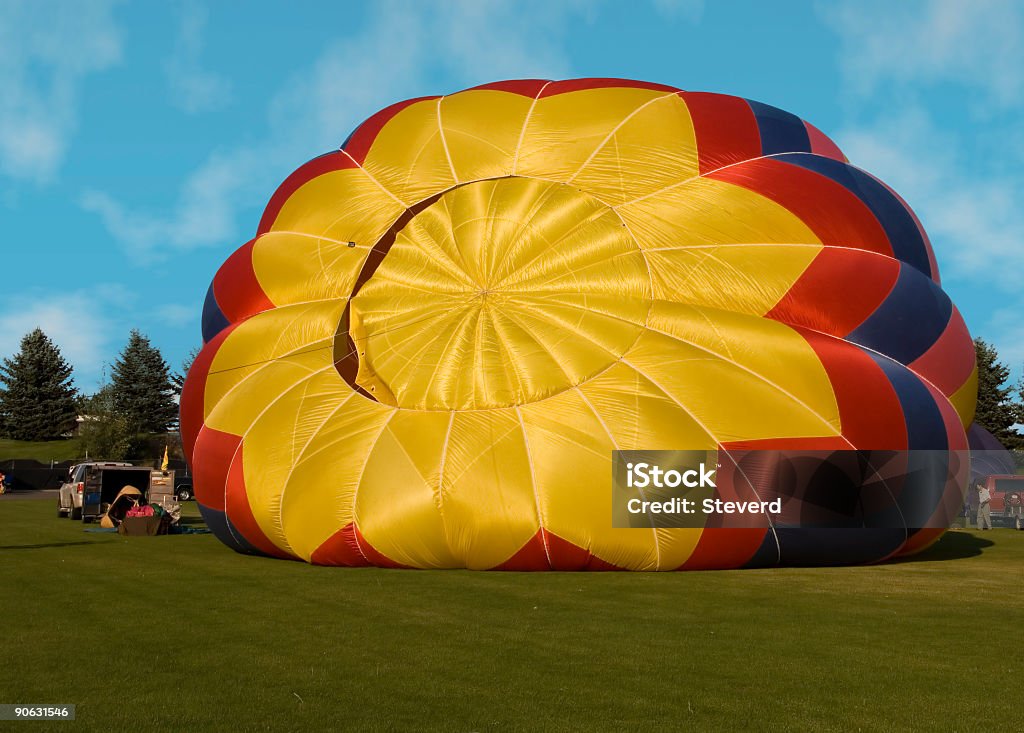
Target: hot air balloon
{"type": "Point", "coordinates": [442, 332]}
{"type": "Point", "coordinates": [988, 455]}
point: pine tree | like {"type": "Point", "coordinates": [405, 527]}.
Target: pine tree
{"type": "Point", "coordinates": [1020, 407]}
{"type": "Point", "coordinates": [996, 411]}
{"type": "Point", "coordinates": [142, 389]}
{"type": "Point", "coordinates": [37, 398]}
{"type": "Point", "coordinates": [178, 379]}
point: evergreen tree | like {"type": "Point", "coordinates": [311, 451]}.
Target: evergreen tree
{"type": "Point", "coordinates": [178, 379]}
{"type": "Point", "coordinates": [1020, 407]}
{"type": "Point", "coordinates": [142, 389]}
{"type": "Point", "coordinates": [37, 398]}
{"type": "Point", "coordinates": [996, 411]}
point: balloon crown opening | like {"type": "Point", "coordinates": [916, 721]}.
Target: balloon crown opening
{"type": "Point", "coordinates": [548, 294]}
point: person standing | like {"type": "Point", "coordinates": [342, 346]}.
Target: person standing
{"type": "Point", "coordinates": [984, 511]}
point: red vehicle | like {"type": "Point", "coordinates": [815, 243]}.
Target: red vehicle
{"type": "Point", "coordinates": [1007, 502]}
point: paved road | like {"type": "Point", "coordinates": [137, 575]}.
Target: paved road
{"type": "Point", "coordinates": [50, 494]}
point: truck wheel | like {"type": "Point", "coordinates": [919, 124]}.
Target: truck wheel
{"type": "Point", "coordinates": [184, 494]}
{"type": "Point", "coordinates": [88, 520]}
{"type": "Point", "coordinates": [76, 513]}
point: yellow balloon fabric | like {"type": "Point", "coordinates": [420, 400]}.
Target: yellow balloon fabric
{"type": "Point", "coordinates": [442, 331]}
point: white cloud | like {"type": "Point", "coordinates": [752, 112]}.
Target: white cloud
{"type": "Point", "coordinates": [175, 315]}
{"type": "Point", "coordinates": [402, 46]}
{"type": "Point", "coordinates": [351, 79]}
{"type": "Point", "coordinates": [902, 63]}
{"type": "Point", "coordinates": [483, 42]}
{"type": "Point", "coordinates": [1006, 330]}
{"type": "Point", "coordinates": [974, 222]}
{"type": "Point", "coordinates": [975, 43]}
{"type": "Point", "coordinates": [204, 213]}
{"type": "Point", "coordinates": [193, 88]}
{"type": "Point", "coordinates": [75, 322]}
{"type": "Point", "coordinates": [47, 49]}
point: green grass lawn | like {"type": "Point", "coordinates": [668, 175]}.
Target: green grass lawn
{"type": "Point", "coordinates": [53, 450]}
{"type": "Point", "coordinates": [178, 633]}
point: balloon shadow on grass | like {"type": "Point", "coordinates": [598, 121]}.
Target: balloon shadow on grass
{"type": "Point", "coordinates": [951, 546]}
{"type": "Point", "coordinates": [192, 521]}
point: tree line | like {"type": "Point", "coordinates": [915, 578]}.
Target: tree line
{"type": "Point", "coordinates": [1000, 404]}
{"type": "Point", "coordinates": [39, 401]}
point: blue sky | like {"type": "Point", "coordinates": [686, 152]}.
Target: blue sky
{"type": "Point", "coordinates": [140, 141]}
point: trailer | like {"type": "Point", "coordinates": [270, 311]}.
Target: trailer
{"type": "Point", "coordinates": [102, 484]}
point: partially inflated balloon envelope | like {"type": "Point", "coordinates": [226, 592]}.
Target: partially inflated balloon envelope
{"type": "Point", "coordinates": [988, 456]}
{"type": "Point", "coordinates": [442, 331]}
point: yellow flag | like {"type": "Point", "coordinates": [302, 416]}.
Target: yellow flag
{"type": "Point", "coordinates": [163, 466]}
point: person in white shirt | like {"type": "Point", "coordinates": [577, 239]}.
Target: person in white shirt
{"type": "Point", "coordinates": [984, 512]}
